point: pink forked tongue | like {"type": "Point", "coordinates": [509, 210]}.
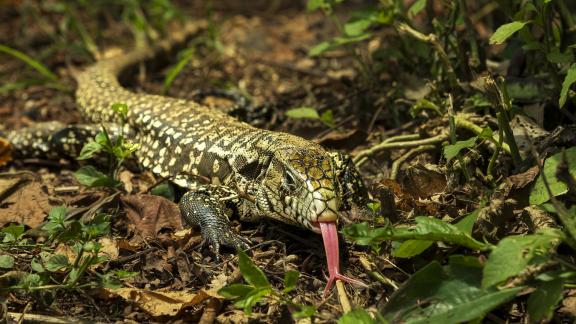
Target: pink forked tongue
{"type": "Point", "coordinates": [330, 238]}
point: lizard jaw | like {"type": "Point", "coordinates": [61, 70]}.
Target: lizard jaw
{"type": "Point", "coordinates": [331, 246]}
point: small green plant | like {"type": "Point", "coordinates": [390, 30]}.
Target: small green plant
{"type": "Point", "coordinates": [327, 117]}
{"type": "Point", "coordinates": [513, 264]}
{"type": "Point", "coordinates": [258, 287]}
{"type": "Point", "coordinates": [48, 77]}
{"type": "Point", "coordinates": [117, 149]}
{"type": "Point", "coordinates": [51, 270]}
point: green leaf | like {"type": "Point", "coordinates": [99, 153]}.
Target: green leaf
{"type": "Point", "coordinates": [558, 57]}
{"type": "Point", "coordinates": [252, 298]}
{"type": "Point", "coordinates": [120, 108]}
{"type": "Point", "coordinates": [109, 281]}
{"type": "Point", "coordinates": [71, 231]}
{"type": "Point", "coordinates": [539, 194]}
{"type": "Point", "coordinates": [303, 112]}
{"type": "Point", "coordinates": [437, 230]}
{"type": "Point", "coordinates": [31, 280]}
{"type": "Point", "coordinates": [37, 266]}
{"type": "Point", "coordinates": [235, 291]}
{"type": "Point", "coordinates": [56, 219]}
{"type": "Point", "coordinates": [304, 312]}
{"type": "Point", "coordinates": [339, 41]}
{"type": "Point", "coordinates": [73, 275]}
{"type": "Point", "coordinates": [327, 118]}
{"type": "Point", "coordinates": [319, 49]}
{"type": "Point", "coordinates": [89, 176]}
{"type": "Point", "coordinates": [356, 316]}
{"type": "Point", "coordinates": [568, 81]}
{"type": "Point", "coordinates": [445, 294]}
{"type": "Point", "coordinates": [97, 227]}
{"type": "Point", "coordinates": [374, 206]}
{"type": "Point", "coordinates": [12, 232]}
{"type": "Point", "coordinates": [466, 224]}
{"type": "Point", "coordinates": [452, 150]}
{"type": "Point", "coordinates": [251, 273]}
{"type": "Point", "coordinates": [357, 27]}
{"type": "Point", "coordinates": [486, 133]}
{"type": "Point", "coordinates": [411, 248]}
{"type": "Point", "coordinates": [186, 56]}
{"type": "Point", "coordinates": [57, 214]}
{"type": "Point", "coordinates": [312, 5]}
{"type": "Point", "coordinates": [290, 280]}
{"type": "Point", "coordinates": [89, 150]}
{"type": "Point", "coordinates": [365, 234]}
{"type": "Point", "coordinates": [92, 246]}
{"type": "Point", "coordinates": [36, 65]}
{"type": "Point", "coordinates": [427, 229]}
{"type": "Point", "coordinates": [6, 261]}
{"type": "Point", "coordinates": [543, 300]}
{"type": "Point", "coordinates": [103, 139]}
{"type": "Point", "coordinates": [165, 190]}
{"type": "Point", "coordinates": [514, 253]}
{"type": "Point", "coordinates": [123, 274]}
{"type": "Point", "coordinates": [417, 7]}
{"type": "Point", "coordinates": [57, 262]}
{"type": "Point", "coordinates": [505, 31]}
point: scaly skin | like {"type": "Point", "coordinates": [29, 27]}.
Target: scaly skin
{"type": "Point", "coordinates": [228, 165]}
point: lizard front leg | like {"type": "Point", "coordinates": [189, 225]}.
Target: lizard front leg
{"type": "Point", "coordinates": [207, 207]}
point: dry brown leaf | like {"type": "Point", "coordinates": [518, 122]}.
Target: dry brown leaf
{"type": "Point", "coordinates": [126, 177]}
{"type": "Point", "coordinates": [569, 306]}
{"type": "Point", "coordinates": [217, 283]}
{"type": "Point", "coordinates": [28, 205]}
{"type": "Point", "coordinates": [159, 303]}
{"type": "Point", "coordinates": [109, 248]}
{"type": "Point", "coordinates": [151, 213]}
{"type": "Point", "coordinates": [129, 246]}
{"type": "Point", "coordinates": [519, 181]}
{"type": "Point", "coordinates": [343, 140]}
{"type": "Point", "coordinates": [422, 181]}
{"type": "Point", "coordinates": [5, 152]}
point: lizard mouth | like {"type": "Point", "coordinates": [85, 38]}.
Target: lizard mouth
{"type": "Point", "coordinates": [329, 233]}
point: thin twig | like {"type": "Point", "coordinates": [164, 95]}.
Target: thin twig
{"type": "Point", "coordinates": [360, 158]}
{"type": "Point", "coordinates": [433, 40]}
{"type": "Point", "coordinates": [396, 165]}
{"type": "Point", "coordinates": [342, 297]}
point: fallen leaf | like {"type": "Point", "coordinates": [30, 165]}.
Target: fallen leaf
{"type": "Point", "coordinates": [217, 283]}
{"type": "Point", "coordinates": [5, 152]}
{"type": "Point", "coordinates": [568, 307]}
{"type": "Point", "coordinates": [109, 248]}
{"type": "Point", "coordinates": [128, 246]}
{"type": "Point", "coordinates": [343, 140]}
{"type": "Point", "coordinates": [423, 181]}
{"type": "Point", "coordinates": [159, 303]}
{"type": "Point", "coordinates": [519, 181]}
{"type": "Point", "coordinates": [126, 178]}
{"type": "Point", "coordinates": [28, 205]}
{"type": "Point", "coordinates": [150, 214]}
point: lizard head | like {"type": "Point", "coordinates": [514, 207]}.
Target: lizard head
{"type": "Point", "coordinates": [305, 187]}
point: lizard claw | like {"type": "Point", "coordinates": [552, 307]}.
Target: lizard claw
{"type": "Point", "coordinates": [225, 237]}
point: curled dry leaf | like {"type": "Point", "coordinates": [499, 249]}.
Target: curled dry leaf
{"type": "Point", "coordinates": [158, 303]}
{"type": "Point", "coordinates": [423, 181]}
{"type": "Point", "coordinates": [150, 214]}
{"type": "Point", "coordinates": [26, 205]}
